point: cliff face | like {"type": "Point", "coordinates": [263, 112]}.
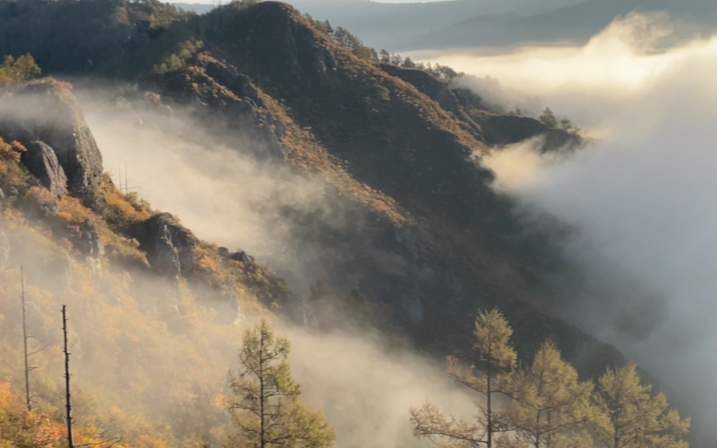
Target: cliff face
{"type": "Point", "coordinates": [51, 174]}
{"type": "Point", "coordinates": [61, 149]}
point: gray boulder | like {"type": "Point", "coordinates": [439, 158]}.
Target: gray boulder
{"type": "Point", "coordinates": [169, 245]}
{"type": "Point", "coordinates": [48, 113]}
{"type": "Point", "coordinates": [41, 161]}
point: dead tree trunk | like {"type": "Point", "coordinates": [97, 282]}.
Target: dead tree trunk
{"type": "Point", "coordinates": [24, 341]}
{"type": "Point", "coordinates": [68, 399]}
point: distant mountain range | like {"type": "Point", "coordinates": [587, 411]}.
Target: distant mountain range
{"type": "Point", "coordinates": [574, 23]}
{"type": "Point", "coordinates": [464, 24]}
{"type": "Point", "coordinates": [397, 26]}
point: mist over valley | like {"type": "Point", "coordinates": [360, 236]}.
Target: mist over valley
{"type": "Point", "coordinates": [461, 224]}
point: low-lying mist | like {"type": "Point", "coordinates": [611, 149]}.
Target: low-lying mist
{"type": "Point", "coordinates": [224, 195]}
{"type": "Point", "coordinates": [639, 200]}
{"type": "Point", "coordinates": [221, 193]}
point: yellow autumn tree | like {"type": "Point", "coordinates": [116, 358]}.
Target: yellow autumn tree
{"type": "Point", "coordinates": [489, 375]}
{"type": "Point", "coordinates": [20, 428]}
{"type": "Point", "coordinates": [629, 416]}
{"type": "Point", "coordinates": [265, 404]}
{"type": "Point", "coordinates": [550, 406]}
{"type": "Point", "coordinates": [13, 71]}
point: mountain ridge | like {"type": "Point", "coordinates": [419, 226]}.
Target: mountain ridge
{"type": "Point", "coordinates": [419, 203]}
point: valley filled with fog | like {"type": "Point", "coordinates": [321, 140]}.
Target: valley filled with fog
{"type": "Point", "coordinates": [639, 198]}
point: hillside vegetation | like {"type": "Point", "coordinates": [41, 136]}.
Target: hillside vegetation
{"type": "Point", "coordinates": [425, 245]}
{"type": "Point", "coordinates": [397, 146]}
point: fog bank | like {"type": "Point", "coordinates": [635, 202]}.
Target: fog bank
{"type": "Point", "coordinates": [645, 228]}
{"type": "Point", "coordinates": [222, 193]}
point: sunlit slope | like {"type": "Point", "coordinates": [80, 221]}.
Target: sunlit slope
{"type": "Point", "coordinates": [141, 342]}
{"type": "Point", "coordinates": [424, 237]}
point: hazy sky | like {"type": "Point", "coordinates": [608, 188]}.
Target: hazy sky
{"type": "Point", "coordinates": [334, 1]}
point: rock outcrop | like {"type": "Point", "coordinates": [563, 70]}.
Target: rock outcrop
{"type": "Point", "coordinates": [448, 98]}
{"type": "Point", "coordinates": [438, 91]}
{"type": "Point", "coordinates": [41, 160]}
{"type": "Point", "coordinates": [48, 114]}
{"type": "Point", "coordinates": [293, 48]}
{"type": "Point", "coordinates": [232, 99]}
{"type": "Point", "coordinates": [490, 128]}
{"type": "Point", "coordinates": [90, 243]}
{"type": "Point", "coordinates": [169, 245]}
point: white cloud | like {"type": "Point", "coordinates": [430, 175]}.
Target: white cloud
{"type": "Point", "coordinates": [643, 205]}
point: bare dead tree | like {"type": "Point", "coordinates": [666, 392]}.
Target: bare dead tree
{"type": "Point", "coordinates": [24, 340]}
{"type": "Point", "coordinates": [68, 398]}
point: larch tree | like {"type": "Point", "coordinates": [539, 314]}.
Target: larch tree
{"type": "Point", "coordinates": [13, 71]}
{"type": "Point", "coordinates": [265, 404]}
{"type": "Point", "coordinates": [490, 375]}
{"type": "Point", "coordinates": [629, 416]}
{"type": "Point", "coordinates": [550, 406]}
{"type": "Point", "coordinates": [548, 118]}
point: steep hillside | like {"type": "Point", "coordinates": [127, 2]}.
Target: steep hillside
{"type": "Point", "coordinates": [132, 279]}
{"type": "Point", "coordinates": [460, 240]}
{"type": "Point", "coordinates": [425, 239]}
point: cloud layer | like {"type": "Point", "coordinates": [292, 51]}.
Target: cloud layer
{"type": "Point", "coordinates": [641, 206]}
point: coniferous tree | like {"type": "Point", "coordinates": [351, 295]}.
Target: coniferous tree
{"type": "Point", "coordinates": [549, 405]}
{"type": "Point", "coordinates": [245, 3]}
{"type": "Point", "coordinates": [13, 71]}
{"type": "Point", "coordinates": [630, 417]}
{"type": "Point", "coordinates": [408, 63]}
{"type": "Point", "coordinates": [352, 43]}
{"type": "Point", "coordinates": [488, 376]}
{"type": "Point", "coordinates": [265, 404]}
{"type": "Point", "coordinates": [548, 118]}
{"type": "Point", "coordinates": [570, 127]}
